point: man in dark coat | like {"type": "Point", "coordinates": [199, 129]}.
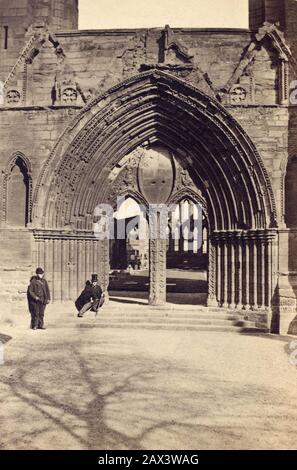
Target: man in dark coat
{"type": "Point", "coordinates": [38, 295]}
{"type": "Point", "coordinates": [90, 298]}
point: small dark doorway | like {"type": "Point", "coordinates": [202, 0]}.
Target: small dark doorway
{"type": "Point", "coordinates": [18, 187]}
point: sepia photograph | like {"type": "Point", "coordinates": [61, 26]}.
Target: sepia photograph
{"type": "Point", "coordinates": [148, 230]}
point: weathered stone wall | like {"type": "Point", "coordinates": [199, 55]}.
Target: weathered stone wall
{"type": "Point", "coordinates": [92, 62]}
{"type": "Point", "coordinates": [266, 10]}
{"type": "Point", "coordinates": [33, 132]}
{"type": "Point", "coordinates": [270, 135]}
{"type": "Point", "coordinates": [95, 62]}
{"type": "Point", "coordinates": [16, 263]}
{"type": "Point", "coordinates": [18, 15]}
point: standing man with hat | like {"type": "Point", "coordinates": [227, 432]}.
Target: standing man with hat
{"type": "Point", "coordinates": [91, 297]}
{"type": "Point", "coordinates": [38, 297]}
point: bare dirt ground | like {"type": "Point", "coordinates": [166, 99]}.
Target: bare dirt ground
{"type": "Point", "coordinates": [90, 388]}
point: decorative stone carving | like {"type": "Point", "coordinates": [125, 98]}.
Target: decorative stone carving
{"type": "Point", "coordinates": [185, 187]}
{"type": "Point", "coordinates": [174, 58]}
{"type": "Point", "coordinates": [173, 48]}
{"type": "Point", "coordinates": [124, 179]}
{"type": "Point", "coordinates": [13, 97]}
{"type": "Point", "coordinates": [243, 92]}
{"type": "Point", "coordinates": [278, 42]}
{"type": "Point", "coordinates": [36, 35]}
{"type": "Point", "coordinates": [156, 175]}
{"type": "Point", "coordinates": [179, 70]}
{"type": "Point", "coordinates": [157, 294]}
{"type": "Point", "coordinates": [21, 59]}
{"type": "Point", "coordinates": [69, 95]}
{"type": "Point", "coordinates": [238, 94]}
{"type": "Point", "coordinates": [104, 266]}
{"type": "Point", "coordinates": [211, 278]}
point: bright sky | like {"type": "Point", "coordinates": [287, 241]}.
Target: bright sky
{"type": "Point", "coordinates": [97, 14]}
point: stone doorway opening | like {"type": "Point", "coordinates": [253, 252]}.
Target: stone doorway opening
{"type": "Point", "coordinates": [158, 139]}
{"type": "Point", "coordinates": [187, 256]}
{"type": "Point", "coordinates": [129, 254]}
{"type": "Point", "coordinates": [186, 252]}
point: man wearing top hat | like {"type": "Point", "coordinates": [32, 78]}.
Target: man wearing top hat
{"type": "Point", "coordinates": [38, 295]}
{"type": "Point", "coordinates": [90, 298]}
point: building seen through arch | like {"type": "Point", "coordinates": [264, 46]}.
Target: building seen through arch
{"type": "Point", "coordinates": [186, 252]}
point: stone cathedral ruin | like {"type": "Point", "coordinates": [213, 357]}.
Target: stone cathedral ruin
{"type": "Point", "coordinates": [212, 112]}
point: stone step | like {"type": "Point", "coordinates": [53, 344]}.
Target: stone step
{"type": "Point", "coordinates": [172, 310]}
{"type": "Point", "coordinates": [168, 307]}
{"type": "Point", "coordinates": [24, 323]}
{"type": "Point", "coordinates": [59, 321]}
{"type": "Point", "coordinates": [174, 317]}
{"type": "Point", "coordinates": [168, 310]}
{"type": "Point", "coordinates": [152, 320]}
{"type": "Point", "coordinates": [174, 327]}
{"type": "Point", "coordinates": [123, 312]}
{"type": "Point", "coordinates": [175, 321]}
{"type": "Point", "coordinates": [64, 315]}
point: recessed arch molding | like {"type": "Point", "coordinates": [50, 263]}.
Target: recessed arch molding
{"type": "Point", "coordinates": [155, 108]}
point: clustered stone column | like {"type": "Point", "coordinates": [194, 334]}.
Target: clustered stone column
{"type": "Point", "coordinates": [158, 248]}
{"type": "Point", "coordinates": [104, 266]}
{"type": "Point", "coordinates": [243, 265]}
{"type": "Point", "coordinates": [69, 260]}
{"type": "Point", "coordinates": [157, 295]}
{"type": "Point", "coordinates": [211, 279]}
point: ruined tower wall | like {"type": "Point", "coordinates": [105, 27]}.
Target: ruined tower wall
{"type": "Point", "coordinates": [16, 16]}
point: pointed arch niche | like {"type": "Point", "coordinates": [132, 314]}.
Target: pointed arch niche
{"type": "Point", "coordinates": [17, 192]}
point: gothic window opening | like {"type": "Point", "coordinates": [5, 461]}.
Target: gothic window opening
{"type": "Point", "coordinates": [188, 233]}
{"type": "Point", "coordinates": [18, 194]}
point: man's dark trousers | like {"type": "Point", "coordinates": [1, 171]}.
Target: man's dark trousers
{"type": "Point", "coordinates": [37, 314]}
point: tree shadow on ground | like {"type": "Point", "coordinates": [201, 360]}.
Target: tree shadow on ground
{"type": "Point", "coordinates": [87, 396]}
{"type": "Point", "coordinates": [56, 414]}
{"type": "Point", "coordinates": [4, 338]}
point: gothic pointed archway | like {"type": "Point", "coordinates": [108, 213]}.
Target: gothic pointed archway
{"type": "Point", "coordinates": [155, 108]}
